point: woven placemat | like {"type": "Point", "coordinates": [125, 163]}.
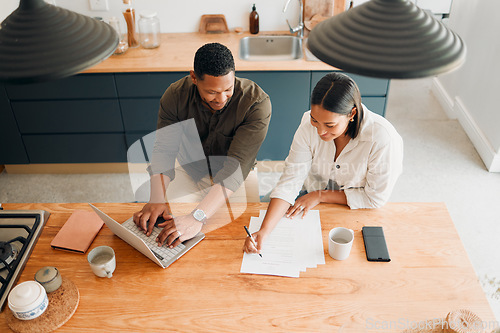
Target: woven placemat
{"type": "Point", "coordinates": [427, 326]}
{"type": "Point", "coordinates": [457, 321]}
{"type": "Point", "coordinates": [463, 321]}
{"type": "Point", "coordinates": [62, 305]}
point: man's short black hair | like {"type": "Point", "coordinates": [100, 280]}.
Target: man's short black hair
{"type": "Point", "coordinates": [213, 59]}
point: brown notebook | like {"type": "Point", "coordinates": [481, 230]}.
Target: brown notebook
{"type": "Point", "coordinates": [78, 232]}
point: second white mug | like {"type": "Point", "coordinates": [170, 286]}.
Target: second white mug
{"type": "Point", "coordinates": [340, 243]}
{"type": "Point", "coordinates": [102, 261]}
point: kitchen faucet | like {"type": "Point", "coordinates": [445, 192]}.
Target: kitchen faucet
{"type": "Point", "coordinates": [300, 28]}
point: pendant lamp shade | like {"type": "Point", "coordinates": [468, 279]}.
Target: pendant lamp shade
{"type": "Point", "coordinates": [41, 42]}
{"type": "Point", "coordinates": [387, 39]}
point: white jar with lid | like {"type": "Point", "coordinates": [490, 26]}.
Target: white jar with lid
{"type": "Point", "coordinates": [149, 29]}
{"type": "Point", "coordinates": [28, 300]}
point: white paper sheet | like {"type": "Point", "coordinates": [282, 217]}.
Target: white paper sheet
{"type": "Point", "coordinates": [293, 246]}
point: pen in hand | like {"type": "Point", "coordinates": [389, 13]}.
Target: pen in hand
{"type": "Point", "coordinates": [251, 238]}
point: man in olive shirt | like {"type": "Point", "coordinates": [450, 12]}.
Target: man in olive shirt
{"type": "Point", "coordinates": [231, 116]}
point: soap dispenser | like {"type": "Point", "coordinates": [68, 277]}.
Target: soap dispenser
{"type": "Point", "coordinates": [254, 21]}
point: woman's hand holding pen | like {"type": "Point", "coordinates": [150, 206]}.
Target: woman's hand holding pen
{"type": "Point", "coordinates": [275, 211]}
{"type": "Point", "coordinates": [250, 247]}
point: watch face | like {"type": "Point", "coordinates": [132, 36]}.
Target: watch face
{"type": "Point", "coordinates": [199, 215]}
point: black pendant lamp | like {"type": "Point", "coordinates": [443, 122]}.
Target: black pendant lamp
{"type": "Point", "coordinates": [41, 42]}
{"type": "Point", "coordinates": [387, 39]}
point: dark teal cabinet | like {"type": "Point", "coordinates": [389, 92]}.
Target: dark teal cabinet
{"type": "Point", "coordinates": [68, 116]}
{"type": "Point", "coordinates": [12, 149]}
{"type": "Point", "coordinates": [139, 96]}
{"type": "Point", "coordinates": [84, 86]}
{"type": "Point", "coordinates": [140, 114]}
{"type": "Point", "coordinates": [94, 118]}
{"type": "Point", "coordinates": [76, 148]}
{"type": "Point", "coordinates": [289, 93]}
{"type": "Point", "coordinates": [72, 120]}
{"type": "Point", "coordinates": [141, 85]}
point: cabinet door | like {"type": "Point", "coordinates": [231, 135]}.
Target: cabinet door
{"type": "Point", "coordinates": [83, 86]}
{"type": "Point", "coordinates": [145, 84]}
{"type": "Point", "coordinates": [140, 114]}
{"type": "Point", "coordinates": [375, 104]}
{"type": "Point", "coordinates": [76, 148]}
{"type": "Point", "coordinates": [76, 116]}
{"type": "Point", "coordinates": [11, 144]}
{"type": "Point", "coordinates": [289, 93]}
{"type": "Point", "coordinates": [140, 95]}
{"type": "Point", "coordinates": [368, 86]}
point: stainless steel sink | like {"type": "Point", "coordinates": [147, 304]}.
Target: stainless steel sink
{"type": "Point", "coordinates": [266, 48]}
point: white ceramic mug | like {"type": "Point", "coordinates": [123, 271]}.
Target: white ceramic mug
{"type": "Point", "coordinates": [340, 243]}
{"type": "Point", "coordinates": [102, 261]}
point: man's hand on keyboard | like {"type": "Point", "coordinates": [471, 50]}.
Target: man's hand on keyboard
{"type": "Point", "coordinates": [146, 218]}
{"type": "Point", "coordinates": [178, 230]}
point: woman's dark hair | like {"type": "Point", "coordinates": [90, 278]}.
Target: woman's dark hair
{"type": "Point", "coordinates": [213, 59]}
{"type": "Point", "coordinates": [337, 92]}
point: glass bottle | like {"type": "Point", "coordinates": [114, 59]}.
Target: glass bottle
{"type": "Point", "coordinates": [254, 21]}
{"type": "Point", "coordinates": [122, 44]}
{"type": "Point", "coordinates": [149, 29]}
{"type": "Point", "coordinates": [129, 15]}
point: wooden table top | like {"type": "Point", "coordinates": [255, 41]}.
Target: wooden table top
{"type": "Point", "coordinates": [177, 50]}
{"type": "Point", "coordinates": [429, 275]}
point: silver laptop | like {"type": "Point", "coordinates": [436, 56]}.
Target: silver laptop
{"type": "Point", "coordinates": [135, 237]}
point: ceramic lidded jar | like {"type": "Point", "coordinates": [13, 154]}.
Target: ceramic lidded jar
{"type": "Point", "coordinates": [28, 300]}
{"type": "Point", "coordinates": [49, 278]}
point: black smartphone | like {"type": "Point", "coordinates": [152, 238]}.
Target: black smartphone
{"type": "Point", "coordinates": [375, 246]}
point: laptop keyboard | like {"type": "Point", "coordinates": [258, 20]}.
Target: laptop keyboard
{"type": "Point", "coordinates": [161, 252]}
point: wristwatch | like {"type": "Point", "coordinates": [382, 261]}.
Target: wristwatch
{"type": "Point", "coordinates": [199, 215]}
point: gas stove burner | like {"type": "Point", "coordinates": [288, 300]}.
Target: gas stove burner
{"type": "Point", "coordinates": [7, 254]}
{"type": "Point", "coordinates": [19, 231]}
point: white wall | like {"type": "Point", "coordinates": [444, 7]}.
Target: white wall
{"type": "Point", "coordinates": [471, 93]}
{"type": "Point", "coordinates": [436, 6]}
{"type": "Point", "coordinates": [184, 15]}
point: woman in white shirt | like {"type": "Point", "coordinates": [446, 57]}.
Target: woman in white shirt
{"type": "Point", "coordinates": [341, 153]}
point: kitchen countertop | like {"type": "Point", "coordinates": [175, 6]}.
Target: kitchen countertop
{"type": "Point", "coordinates": [176, 53]}
{"type": "Point", "coordinates": [429, 276]}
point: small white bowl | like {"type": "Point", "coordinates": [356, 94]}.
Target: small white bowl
{"type": "Point", "coordinates": [28, 300]}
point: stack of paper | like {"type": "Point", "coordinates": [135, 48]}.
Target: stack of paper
{"type": "Point", "coordinates": [293, 246]}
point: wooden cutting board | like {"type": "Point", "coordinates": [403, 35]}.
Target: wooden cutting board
{"type": "Point", "coordinates": [317, 10]}
{"type": "Point", "coordinates": [215, 24]}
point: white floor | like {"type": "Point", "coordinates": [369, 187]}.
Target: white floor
{"type": "Point", "coordinates": [440, 165]}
